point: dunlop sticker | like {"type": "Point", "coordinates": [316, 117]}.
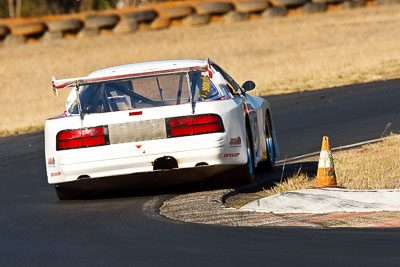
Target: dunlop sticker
{"type": "Point", "coordinates": [231, 155]}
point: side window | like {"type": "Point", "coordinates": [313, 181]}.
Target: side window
{"type": "Point", "coordinates": [203, 88]}
{"type": "Point", "coordinates": [233, 87]}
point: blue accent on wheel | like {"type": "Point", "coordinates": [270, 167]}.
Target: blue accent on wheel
{"type": "Point", "coordinates": [250, 158]}
{"type": "Point", "coordinates": [271, 150]}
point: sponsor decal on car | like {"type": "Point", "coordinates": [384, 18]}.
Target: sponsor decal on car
{"type": "Point", "coordinates": [55, 174]}
{"type": "Point", "coordinates": [264, 155]}
{"type": "Point", "coordinates": [51, 162]}
{"type": "Point", "coordinates": [205, 89]}
{"type": "Point", "coordinates": [116, 99]}
{"type": "Point", "coordinates": [231, 155]}
{"type": "Point", "coordinates": [235, 142]}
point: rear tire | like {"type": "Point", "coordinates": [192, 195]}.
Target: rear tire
{"type": "Point", "coordinates": [269, 163]}
{"type": "Point", "coordinates": [246, 173]}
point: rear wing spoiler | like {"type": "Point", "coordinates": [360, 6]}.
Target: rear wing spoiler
{"type": "Point", "coordinates": [76, 82]}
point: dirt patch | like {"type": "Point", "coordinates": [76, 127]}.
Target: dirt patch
{"type": "Point", "coordinates": [208, 208]}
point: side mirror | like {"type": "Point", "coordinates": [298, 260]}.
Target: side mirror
{"type": "Point", "coordinates": [248, 86]}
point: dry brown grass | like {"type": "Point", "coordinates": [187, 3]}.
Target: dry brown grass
{"type": "Point", "coordinates": [374, 166]}
{"type": "Point", "coordinates": [281, 55]}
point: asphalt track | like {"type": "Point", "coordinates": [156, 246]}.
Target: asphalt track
{"type": "Point", "coordinates": [38, 230]}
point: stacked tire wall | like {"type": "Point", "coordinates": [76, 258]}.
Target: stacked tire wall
{"type": "Point", "coordinates": [161, 16]}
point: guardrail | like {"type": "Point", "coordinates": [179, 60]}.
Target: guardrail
{"type": "Point", "coordinates": [160, 16]}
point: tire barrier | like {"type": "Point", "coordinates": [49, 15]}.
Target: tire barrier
{"type": "Point", "coordinates": [102, 22]}
{"type": "Point", "coordinates": [159, 23]}
{"type": "Point", "coordinates": [387, 2]}
{"type": "Point", "coordinates": [14, 40]}
{"type": "Point", "coordinates": [275, 12]}
{"type": "Point", "coordinates": [50, 36]}
{"type": "Point", "coordinates": [3, 31]}
{"type": "Point", "coordinates": [311, 8]}
{"type": "Point", "coordinates": [126, 26]}
{"type": "Point", "coordinates": [27, 29]}
{"type": "Point", "coordinates": [174, 12]}
{"type": "Point", "coordinates": [140, 16]}
{"type": "Point", "coordinates": [214, 8]}
{"type": "Point", "coordinates": [64, 25]}
{"type": "Point", "coordinates": [251, 6]}
{"type": "Point", "coordinates": [288, 3]}
{"type": "Point", "coordinates": [327, 1]}
{"type": "Point", "coordinates": [196, 20]}
{"type": "Point", "coordinates": [236, 16]}
{"type": "Point", "coordinates": [352, 4]}
{"type": "Point", "coordinates": [163, 15]}
{"type": "Point", "coordinates": [87, 33]}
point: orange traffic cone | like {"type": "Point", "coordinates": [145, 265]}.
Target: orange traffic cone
{"type": "Point", "coordinates": [326, 176]}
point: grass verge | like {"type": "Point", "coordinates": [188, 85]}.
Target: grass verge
{"type": "Point", "coordinates": [373, 166]}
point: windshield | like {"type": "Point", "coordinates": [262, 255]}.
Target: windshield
{"type": "Point", "coordinates": [171, 89]}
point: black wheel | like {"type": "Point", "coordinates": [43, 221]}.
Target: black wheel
{"type": "Point", "coordinates": [269, 163]}
{"type": "Point", "coordinates": [246, 172]}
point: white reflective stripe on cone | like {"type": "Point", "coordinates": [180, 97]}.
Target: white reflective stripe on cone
{"type": "Point", "coordinates": [325, 159]}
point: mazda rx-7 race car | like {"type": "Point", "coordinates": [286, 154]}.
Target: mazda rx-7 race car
{"type": "Point", "coordinates": [155, 124]}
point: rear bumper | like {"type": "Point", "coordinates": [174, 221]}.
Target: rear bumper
{"type": "Point", "coordinates": [138, 159]}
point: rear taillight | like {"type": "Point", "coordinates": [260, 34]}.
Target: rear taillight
{"type": "Point", "coordinates": [192, 125]}
{"type": "Point", "coordinates": [88, 137]}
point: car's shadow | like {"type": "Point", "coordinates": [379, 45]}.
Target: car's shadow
{"type": "Point", "coordinates": [263, 180]}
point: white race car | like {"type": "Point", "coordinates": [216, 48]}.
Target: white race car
{"type": "Point", "coordinates": [155, 124]}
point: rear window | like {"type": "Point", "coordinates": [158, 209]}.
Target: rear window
{"type": "Point", "coordinates": [171, 89]}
